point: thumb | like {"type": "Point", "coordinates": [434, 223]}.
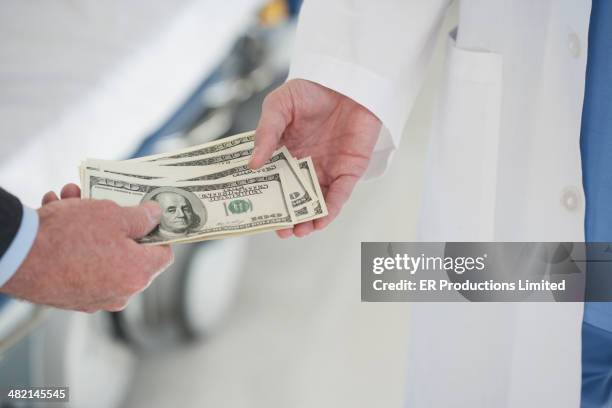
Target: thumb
{"type": "Point", "coordinates": [142, 219]}
{"type": "Point", "coordinates": [270, 128]}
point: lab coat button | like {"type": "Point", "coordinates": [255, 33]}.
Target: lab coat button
{"type": "Point", "coordinates": [570, 198]}
{"type": "Point", "coordinates": [573, 44]}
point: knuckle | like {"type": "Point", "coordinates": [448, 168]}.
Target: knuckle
{"type": "Point", "coordinates": [167, 256]}
{"type": "Point", "coordinates": [139, 224]}
{"type": "Point", "coordinates": [108, 207]}
{"type": "Point", "coordinates": [271, 99]}
{"type": "Point", "coordinates": [159, 258]}
{"type": "Point", "coordinates": [163, 261]}
{"type": "Point", "coordinates": [135, 284]}
{"type": "Point", "coordinates": [268, 99]}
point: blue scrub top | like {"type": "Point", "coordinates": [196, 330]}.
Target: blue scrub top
{"type": "Point", "coordinates": [596, 143]}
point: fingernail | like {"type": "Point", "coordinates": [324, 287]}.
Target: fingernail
{"type": "Point", "coordinates": [253, 154]}
{"type": "Point", "coordinates": [153, 211]}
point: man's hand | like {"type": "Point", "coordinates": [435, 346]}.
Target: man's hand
{"type": "Point", "coordinates": [70, 190]}
{"type": "Point", "coordinates": [85, 257]}
{"type": "Point", "coordinates": [312, 120]}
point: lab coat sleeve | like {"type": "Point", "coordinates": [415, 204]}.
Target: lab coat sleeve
{"type": "Point", "coordinates": [374, 52]}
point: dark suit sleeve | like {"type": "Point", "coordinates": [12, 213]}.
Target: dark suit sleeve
{"type": "Point", "coordinates": [11, 212]}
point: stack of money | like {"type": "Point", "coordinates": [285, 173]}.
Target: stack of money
{"type": "Point", "coordinates": [209, 192]}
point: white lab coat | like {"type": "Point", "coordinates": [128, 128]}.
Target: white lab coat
{"type": "Point", "coordinates": [503, 164]}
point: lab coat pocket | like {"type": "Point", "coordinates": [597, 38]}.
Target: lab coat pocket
{"type": "Point", "coordinates": [459, 201]}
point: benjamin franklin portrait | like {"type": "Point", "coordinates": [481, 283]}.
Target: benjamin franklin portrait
{"type": "Point", "coordinates": [182, 213]}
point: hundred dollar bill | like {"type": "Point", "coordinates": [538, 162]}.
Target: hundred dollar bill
{"type": "Point", "coordinates": [215, 153]}
{"type": "Point", "coordinates": [223, 161]}
{"type": "Point", "coordinates": [300, 192]}
{"type": "Point", "coordinates": [143, 170]}
{"type": "Point", "coordinates": [163, 169]}
{"type": "Point", "coordinates": [201, 210]}
{"type": "Point", "coordinates": [240, 141]}
{"type": "Point", "coordinates": [170, 167]}
{"type": "Point", "coordinates": [308, 170]}
{"type": "Point", "coordinates": [220, 160]}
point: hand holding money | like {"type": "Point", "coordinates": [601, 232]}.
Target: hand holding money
{"type": "Point", "coordinates": [84, 256]}
{"type": "Point", "coordinates": [337, 132]}
{"type": "Point", "coordinates": [209, 192]}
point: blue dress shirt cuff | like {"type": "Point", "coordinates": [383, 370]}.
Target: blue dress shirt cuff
{"type": "Point", "coordinates": [20, 246]}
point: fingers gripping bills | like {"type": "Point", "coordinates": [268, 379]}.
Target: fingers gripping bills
{"type": "Point", "coordinates": [209, 192]}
